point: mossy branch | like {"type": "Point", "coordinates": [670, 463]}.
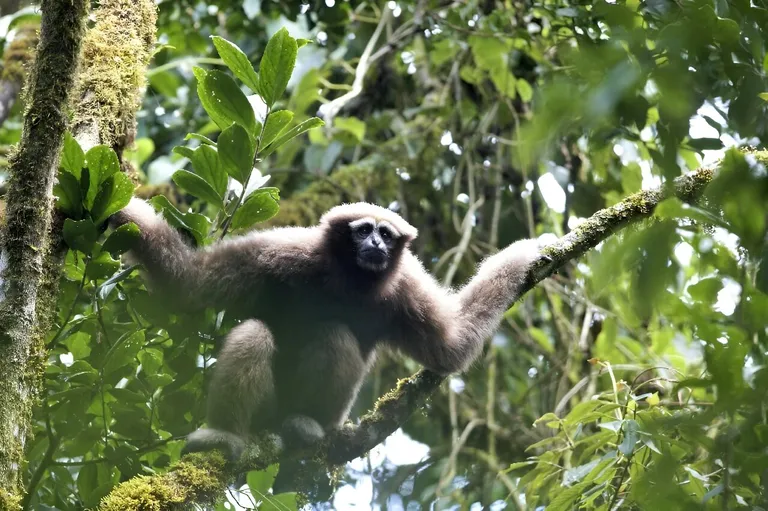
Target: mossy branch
{"type": "Point", "coordinates": [16, 60]}
{"type": "Point", "coordinates": [393, 409]}
{"type": "Point", "coordinates": [28, 219]}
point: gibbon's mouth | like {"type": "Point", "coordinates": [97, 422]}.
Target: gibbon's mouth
{"type": "Point", "coordinates": [372, 259]}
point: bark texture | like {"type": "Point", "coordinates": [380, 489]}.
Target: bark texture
{"type": "Point", "coordinates": [26, 233]}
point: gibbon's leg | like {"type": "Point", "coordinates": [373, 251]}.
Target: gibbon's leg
{"type": "Point", "coordinates": [242, 386]}
{"type": "Point", "coordinates": [318, 393]}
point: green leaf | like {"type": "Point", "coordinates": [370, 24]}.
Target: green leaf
{"type": "Point", "coordinates": [128, 396]}
{"type": "Point", "coordinates": [68, 194]}
{"type": "Point", "coordinates": [207, 165]}
{"type": "Point", "coordinates": [489, 52]}
{"type": "Point", "coordinates": [151, 360]}
{"type": "Point", "coordinates": [102, 266]}
{"type": "Point", "coordinates": [312, 122]}
{"type": "Point", "coordinates": [202, 138]}
{"type": "Point", "coordinates": [225, 102]}
{"type": "Point", "coordinates": [87, 480]}
{"type": "Point", "coordinates": [107, 286]}
{"type": "Point", "coordinates": [280, 502]}
{"type": "Point", "coordinates": [519, 464]}
{"type": "Point", "coordinates": [351, 125]}
{"type": "Point", "coordinates": [184, 151]}
{"type": "Point", "coordinates": [525, 90]}
{"type": "Point", "coordinates": [194, 223]}
{"type": "Point", "coordinates": [276, 124]}
{"type": "Point", "coordinates": [122, 239]}
{"type": "Point", "coordinates": [208, 104]}
{"type": "Point", "coordinates": [78, 344]}
{"type": "Point", "coordinates": [764, 95]}
{"type": "Point", "coordinates": [80, 234]}
{"type": "Point", "coordinates": [72, 156]}
{"type": "Point", "coordinates": [704, 144]}
{"type": "Point", "coordinates": [277, 66]}
{"type": "Point", "coordinates": [236, 152]}
{"type": "Point", "coordinates": [566, 498]}
{"type": "Point", "coordinates": [631, 437]}
{"type": "Point", "coordinates": [237, 62]}
{"type": "Point", "coordinates": [260, 481]}
{"type": "Point", "coordinates": [123, 351]}
{"type": "Point", "coordinates": [114, 194]}
{"type": "Point", "coordinates": [260, 206]}
{"type": "Point", "coordinates": [706, 290]}
{"type": "Point", "coordinates": [197, 186]}
{"type": "Point", "coordinates": [102, 163]}
{"type": "Point", "coordinates": [302, 42]}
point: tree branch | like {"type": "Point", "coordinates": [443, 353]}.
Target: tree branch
{"type": "Point", "coordinates": [25, 237]}
{"type": "Point", "coordinates": [393, 409]}
{"type": "Point", "coordinates": [16, 59]}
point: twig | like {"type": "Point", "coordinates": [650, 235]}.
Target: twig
{"type": "Point", "coordinates": [332, 108]}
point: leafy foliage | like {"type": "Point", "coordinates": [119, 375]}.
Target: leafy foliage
{"type": "Point", "coordinates": [635, 379]}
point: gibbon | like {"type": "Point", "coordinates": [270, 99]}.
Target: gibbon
{"type": "Point", "coordinates": [319, 302]}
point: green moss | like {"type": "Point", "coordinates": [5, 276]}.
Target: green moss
{"type": "Point", "coordinates": [350, 183]}
{"type": "Point", "coordinates": [196, 478]}
{"type": "Point", "coordinates": [19, 53]}
{"type": "Point", "coordinates": [9, 502]}
{"type": "Point", "coordinates": [115, 53]}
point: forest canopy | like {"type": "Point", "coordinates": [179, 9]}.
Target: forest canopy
{"type": "Point", "coordinates": [628, 137]}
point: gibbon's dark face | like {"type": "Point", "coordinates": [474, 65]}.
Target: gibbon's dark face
{"type": "Point", "coordinates": [374, 241]}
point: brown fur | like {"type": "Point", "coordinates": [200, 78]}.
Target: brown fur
{"type": "Point", "coordinates": [320, 316]}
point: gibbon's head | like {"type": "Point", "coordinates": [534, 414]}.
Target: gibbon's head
{"type": "Point", "coordinates": [368, 236]}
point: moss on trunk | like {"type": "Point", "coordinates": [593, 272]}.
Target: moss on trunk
{"type": "Point", "coordinates": [28, 220]}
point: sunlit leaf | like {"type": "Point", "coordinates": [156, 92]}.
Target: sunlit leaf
{"type": "Point", "coordinates": [312, 122]}
{"type": "Point", "coordinates": [237, 62]}
{"type": "Point", "coordinates": [72, 156]}
{"type": "Point", "coordinates": [197, 186]}
{"type": "Point", "coordinates": [102, 164]}
{"type": "Point", "coordinates": [260, 206]}
{"type": "Point", "coordinates": [276, 124]}
{"type": "Point", "coordinates": [277, 66]}
{"type": "Point", "coordinates": [114, 194]}
{"type": "Point", "coordinates": [236, 152]}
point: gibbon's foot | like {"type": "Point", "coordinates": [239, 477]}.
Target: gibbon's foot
{"type": "Point", "coordinates": [300, 431]}
{"type": "Point", "coordinates": [208, 439]}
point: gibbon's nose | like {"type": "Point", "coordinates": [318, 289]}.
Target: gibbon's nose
{"type": "Point", "coordinates": [375, 241]}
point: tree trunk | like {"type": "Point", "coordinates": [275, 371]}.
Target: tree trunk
{"type": "Point", "coordinates": [25, 237]}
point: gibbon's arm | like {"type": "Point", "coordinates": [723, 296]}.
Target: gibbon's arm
{"type": "Point", "coordinates": [445, 330]}
{"type": "Point", "coordinates": [223, 274]}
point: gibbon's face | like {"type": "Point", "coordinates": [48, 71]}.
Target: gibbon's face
{"type": "Point", "coordinates": [374, 242]}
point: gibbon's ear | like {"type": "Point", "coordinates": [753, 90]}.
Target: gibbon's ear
{"type": "Point", "coordinates": [346, 213]}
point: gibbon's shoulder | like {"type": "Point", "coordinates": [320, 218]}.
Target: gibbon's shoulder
{"type": "Point", "coordinates": [346, 213]}
{"type": "Point", "coordinates": [281, 245]}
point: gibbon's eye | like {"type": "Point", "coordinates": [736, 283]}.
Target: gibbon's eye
{"type": "Point", "coordinates": [365, 230]}
{"type": "Point", "coordinates": [385, 234]}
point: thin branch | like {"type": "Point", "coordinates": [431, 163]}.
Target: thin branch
{"type": "Point", "coordinates": [332, 108]}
